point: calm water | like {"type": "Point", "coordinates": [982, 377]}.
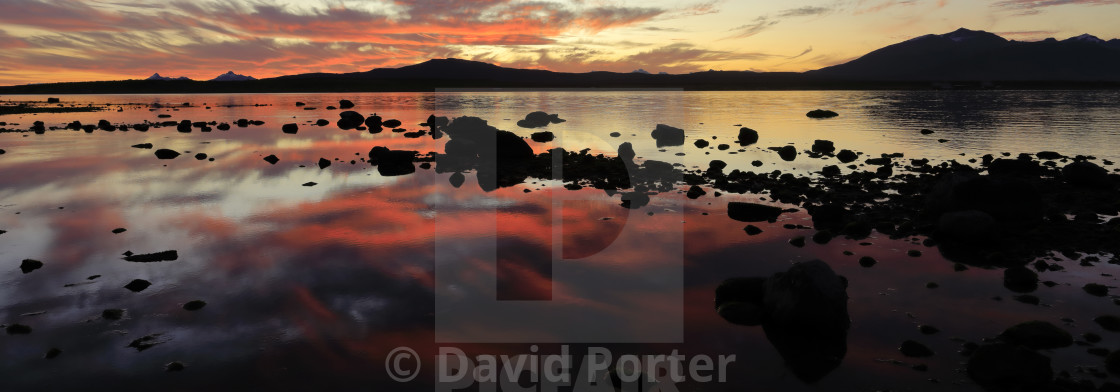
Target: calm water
{"type": "Point", "coordinates": [312, 286]}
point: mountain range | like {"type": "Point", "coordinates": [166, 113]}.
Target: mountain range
{"type": "Point", "coordinates": [962, 58]}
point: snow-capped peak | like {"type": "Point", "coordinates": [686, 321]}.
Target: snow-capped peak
{"type": "Point", "coordinates": [232, 77]}
{"type": "Point", "coordinates": [640, 71]}
{"type": "Point", "coordinates": [156, 76]}
{"type": "Point", "coordinates": [1087, 38]}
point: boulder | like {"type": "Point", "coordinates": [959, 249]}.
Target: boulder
{"type": "Point", "coordinates": [29, 265]}
{"type": "Point", "coordinates": [271, 159]}
{"type": "Point", "coordinates": [1086, 174]}
{"type": "Point", "coordinates": [847, 156]}
{"type": "Point", "coordinates": [823, 146]}
{"type": "Point", "coordinates": [394, 162]}
{"type": "Point", "coordinates": [539, 119]}
{"type": "Point", "coordinates": [164, 153]}
{"type": "Point", "coordinates": [1037, 335]}
{"type": "Point", "coordinates": [291, 129]}
{"type": "Point", "coordinates": [747, 136]}
{"type": "Point", "coordinates": [787, 153]}
{"type": "Point", "coordinates": [739, 300]}
{"type": "Point", "coordinates": [751, 212]}
{"type": "Point", "coordinates": [820, 113]}
{"type": "Point", "coordinates": [695, 192]}
{"type": "Point", "coordinates": [350, 120]}
{"type": "Point", "coordinates": [345, 104]}
{"type": "Point", "coordinates": [1008, 367]}
{"type": "Point", "coordinates": [324, 163]}
{"type": "Point", "coordinates": [391, 123]}
{"type": "Point", "coordinates": [542, 137]}
{"type": "Point", "coordinates": [668, 136]}
{"type": "Point", "coordinates": [701, 143]}
{"type": "Point", "coordinates": [184, 126]}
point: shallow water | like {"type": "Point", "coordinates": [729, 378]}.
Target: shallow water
{"type": "Point", "coordinates": [314, 286]}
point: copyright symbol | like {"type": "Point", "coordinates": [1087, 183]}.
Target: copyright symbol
{"type": "Point", "coordinates": [402, 364]}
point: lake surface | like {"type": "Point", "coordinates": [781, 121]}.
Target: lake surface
{"type": "Point", "coordinates": [311, 287]}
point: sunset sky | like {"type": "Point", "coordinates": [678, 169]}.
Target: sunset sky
{"type": "Point", "coordinates": [73, 40]}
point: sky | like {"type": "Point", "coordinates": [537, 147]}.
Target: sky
{"type": "Point", "coordinates": [74, 40]}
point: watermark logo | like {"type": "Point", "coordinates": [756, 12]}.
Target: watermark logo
{"type": "Point", "coordinates": [403, 364]}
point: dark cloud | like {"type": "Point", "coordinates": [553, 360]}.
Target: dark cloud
{"type": "Point", "coordinates": [804, 11]}
{"type": "Point", "coordinates": [1036, 6]}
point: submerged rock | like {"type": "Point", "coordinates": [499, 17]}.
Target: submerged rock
{"type": "Point", "coordinates": [137, 285]}
{"type": "Point", "coordinates": [539, 119]}
{"type": "Point", "coordinates": [167, 255]}
{"type": "Point", "coordinates": [272, 159]}
{"type": "Point", "coordinates": [17, 329]}
{"type": "Point", "coordinates": [747, 136]}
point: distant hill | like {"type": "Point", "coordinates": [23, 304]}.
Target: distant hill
{"type": "Point", "coordinates": [960, 59]}
{"type": "Point", "coordinates": [156, 76]}
{"type": "Point", "coordinates": [967, 55]}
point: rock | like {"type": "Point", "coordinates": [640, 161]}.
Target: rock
{"type": "Point", "coordinates": [1020, 279]}
{"type": "Point", "coordinates": [819, 113]}
{"type": "Point", "coordinates": [542, 137]}
{"type": "Point", "coordinates": [322, 122]}
{"type": "Point", "coordinates": [472, 140]}
{"type": "Point", "coordinates": [200, 156]}
{"type": "Point", "coordinates": [626, 152]}
{"type": "Point", "coordinates": [310, 183]}
{"type": "Point", "coordinates": [1099, 290]}
{"type": "Point", "coordinates": [966, 226]}
{"type": "Point", "coordinates": [808, 297]}
{"type": "Point", "coordinates": [751, 212]}
{"type": "Point", "coordinates": [457, 179]}
{"type": "Point", "coordinates": [798, 241]}
{"type": "Point", "coordinates": [752, 230]}
{"type": "Point", "coordinates": [147, 342]}
{"type": "Point", "coordinates": [695, 192]}
{"type": "Point", "coordinates": [701, 143]}
{"type": "Point", "coordinates": [723, 147]}
{"type": "Point", "coordinates": [324, 163]}
{"type": "Point", "coordinates": [17, 329]}
{"type": "Point", "coordinates": [867, 261]}
{"type": "Point", "coordinates": [52, 353]}
{"type": "Point", "coordinates": [392, 162]}
{"type": "Point", "coordinates": [146, 146]}
{"type": "Point", "coordinates": [1087, 175]}
{"type": "Point", "coordinates": [391, 123]}
{"type": "Point", "coordinates": [1048, 155]}
{"type": "Point", "coordinates": [345, 104]}
{"type": "Point", "coordinates": [634, 200]}
{"type": "Point", "coordinates": [1112, 363]}
{"type": "Point", "coordinates": [194, 305]}
{"type": "Point", "coordinates": [184, 126]}
{"type": "Point", "coordinates": [119, 230]}
{"type": "Point", "coordinates": [300, 103]}
{"type": "Point", "coordinates": [137, 285]}
{"type": "Point", "coordinates": [823, 146]}
{"type": "Point", "coordinates": [788, 153]}
{"type": "Point", "coordinates": [174, 367]}
{"type": "Point", "coordinates": [350, 119]}
{"type": "Point", "coordinates": [740, 300]}
{"type": "Point", "coordinates": [1037, 335]}
{"type": "Point", "coordinates": [668, 136]}
{"type": "Point", "coordinates": [29, 265]}
{"type": "Point", "coordinates": [53, 100]}
{"type": "Point", "coordinates": [112, 314]}
{"type": "Point", "coordinates": [164, 153]}
{"type": "Point", "coordinates": [914, 253]}
{"type": "Point", "coordinates": [914, 349]}
{"type": "Point", "coordinates": [615, 134]}
{"type": "Point", "coordinates": [290, 129]}
{"type": "Point", "coordinates": [272, 159]}
{"type": "Point", "coordinates": [223, 127]}
{"type": "Point", "coordinates": [1007, 367]}
{"type": "Point", "coordinates": [928, 329]}
{"type": "Point", "coordinates": [1108, 322]}
{"type": "Point", "coordinates": [539, 119]}
{"type": "Point", "coordinates": [847, 156]}
{"type": "Point", "coordinates": [926, 132]}
{"type": "Point", "coordinates": [830, 171]}
{"type": "Point", "coordinates": [1015, 168]}
{"type": "Point", "coordinates": [167, 255]}
{"type": "Point", "coordinates": [747, 136]}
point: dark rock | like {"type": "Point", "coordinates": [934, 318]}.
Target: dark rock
{"type": "Point", "coordinates": [350, 120]}
{"type": "Point", "coordinates": [174, 367]}
{"type": "Point", "coordinates": [926, 132]}
{"type": "Point", "coordinates": [391, 123]}
{"type": "Point", "coordinates": [809, 297]}
{"type": "Point", "coordinates": [867, 261]}
{"type": "Point", "coordinates": [119, 230]}
{"type": "Point", "coordinates": [1037, 335]}
{"type": "Point", "coordinates": [324, 163]}
{"type": "Point", "coordinates": [29, 265]}
{"type": "Point", "coordinates": [200, 156]}
{"type": "Point", "coordinates": [146, 146]}
{"type": "Point", "coordinates": [167, 255]}
{"type": "Point", "coordinates": [1007, 367]}
{"type": "Point", "coordinates": [322, 122]}
{"type": "Point", "coordinates": [615, 134]}
{"type": "Point", "coordinates": [392, 162]}
{"type": "Point", "coordinates": [1108, 322]}
{"type": "Point", "coordinates": [164, 153]}
{"type": "Point", "coordinates": [194, 305]}
{"type": "Point", "coordinates": [914, 253]}
{"type": "Point", "coordinates": [695, 192]}
{"type": "Point", "coordinates": [184, 126]}
{"type": "Point", "coordinates": [345, 104]}
{"type": "Point", "coordinates": [723, 147]}
{"type": "Point", "coordinates": [1049, 155]}
{"type": "Point", "coordinates": [966, 226]}
{"type": "Point", "coordinates": [272, 159]}
{"type": "Point", "coordinates": [310, 183]}
{"type": "Point", "coordinates": [223, 127]}
{"type": "Point", "coordinates": [52, 353]}
{"type": "Point", "coordinates": [798, 241]}
{"type": "Point", "coordinates": [823, 146]}
{"type": "Point", "coordinates": [1087, 175]}
{"type": "Point", "coordinates": [747, 136]}
{"type": "Point", "coordinates": [1099, 290]}
{"type": "Point", "coordinates": [1020, 279]}
{"type": "Point", "coordinates": [668, 136]}
{"type": "Point", "coordinates": [290, 129]}
{"type": "Point", "coordinates": [147, 342]}
{"type": "Point", "coordinates": [830, 171]}
{"type": "Point", "coordinates": [542, 137]}
{"type": "Point", "coordinates": [457, 179]}
{"type": "Point", "coordinates": [112, 314]}
{"type": "Point", "coordinates": [914, 349]}
{"type": "Point", "coordinates": [928, 329]}
{"type": "Point", "coordinates": [137, 285]}
{"type": "Point", "coordinates": [847, 156]}
{"type": "Point", "coordinates": [701, 143]}
{"type": "Point", "coordinates": [752, 230]}
{"type": "Point", "coordinates": [751, 212]}
{"type": "Point", "coordinates": [626, 152]}
{"type": "Point", "coordinates": [539, 119]}
{"type": "Point", "coordinates": [17, 329]}
{"type": "Point", "coordinates": [819, 113]}
{"type": "Point", "coordinates": [788, 153]}
{"type": "Point", "coordinates": [740, 300]}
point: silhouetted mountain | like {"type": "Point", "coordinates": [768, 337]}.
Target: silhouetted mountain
{"type": "Point", "coordinates": [967, 55]}
{"type": "Point", "coordinates": [962, 59]}
{"type": "Point", "coordinates": [156, 76]}
{"type": "Point", "coordinates": [232, 77]}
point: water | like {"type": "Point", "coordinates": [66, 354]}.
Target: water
{"type": "Point", "coordinates": [311, 287]}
